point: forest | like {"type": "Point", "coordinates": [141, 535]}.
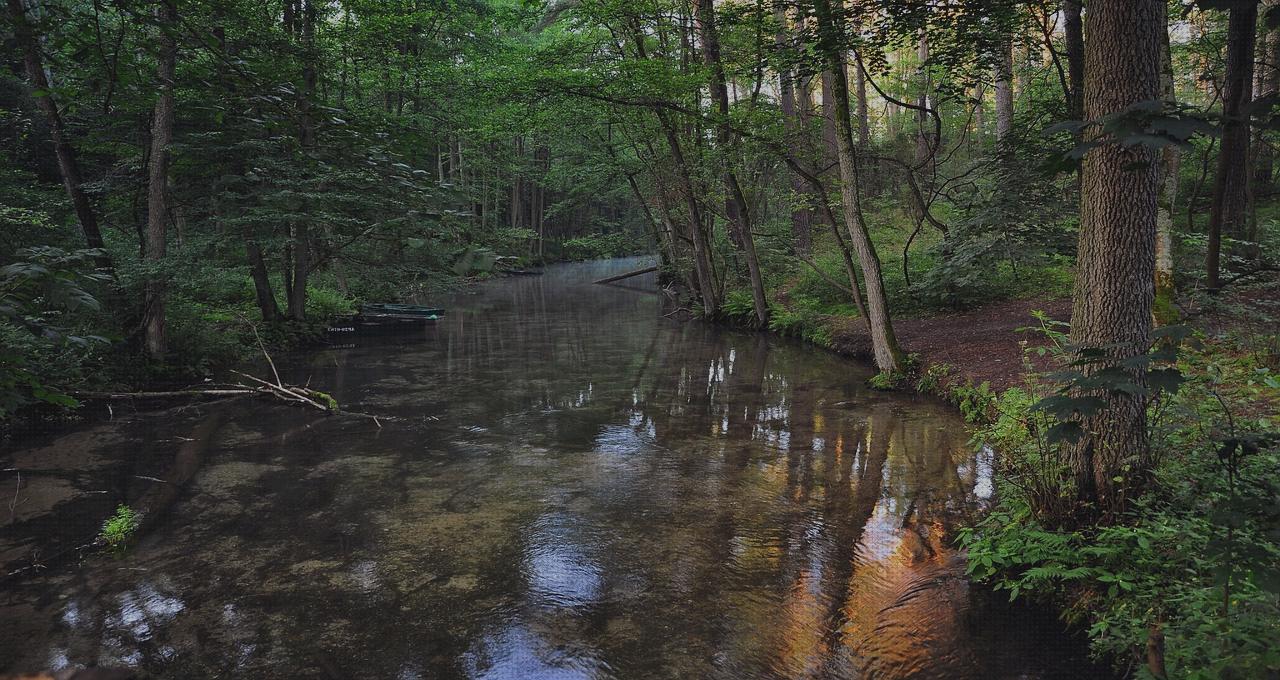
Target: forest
{"type": "Point", "coordinates": [1062, 217]}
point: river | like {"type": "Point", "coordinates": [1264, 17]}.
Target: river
{"type": "Point", "coordinates": [575, 487]}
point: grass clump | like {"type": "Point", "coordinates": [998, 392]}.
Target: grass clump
{"type": "Point", "coordinates": [120, 528]}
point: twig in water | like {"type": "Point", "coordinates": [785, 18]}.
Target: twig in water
{"type": "Point", "coordinates": [13, 504]}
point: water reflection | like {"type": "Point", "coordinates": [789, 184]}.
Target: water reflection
{"type": "Point", "coordinates": [597, 492]}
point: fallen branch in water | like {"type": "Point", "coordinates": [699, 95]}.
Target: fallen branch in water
{"type": "Point", "coordinates": [221, 392]}
{"type": "Point", "coordinates": [291, 393]}
{"type": "Point", "coordinates": [627, 275]}
{"type": "Point", "coordinates": [296, 394]}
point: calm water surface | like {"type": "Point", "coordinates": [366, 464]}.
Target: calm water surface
{"type": "Point", "coordinates": [579, 488]}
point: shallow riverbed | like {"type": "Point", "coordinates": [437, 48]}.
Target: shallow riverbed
{"type": "Point", "coordinates": [578, 487]}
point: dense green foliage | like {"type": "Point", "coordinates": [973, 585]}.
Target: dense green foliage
{"type": "Point", "coordinates": [1196, 561]}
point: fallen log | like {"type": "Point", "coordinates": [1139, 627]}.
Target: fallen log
{"type": "Point", "coordinates": [627, 275]}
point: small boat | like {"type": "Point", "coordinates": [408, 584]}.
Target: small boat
{"type": "Point", "coordinates": [376, 308]}
{"type": "Point", "coordinates": [384, 319]}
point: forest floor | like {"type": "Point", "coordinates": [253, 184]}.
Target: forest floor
{"type": "Point", "coordinates": [979, 345]}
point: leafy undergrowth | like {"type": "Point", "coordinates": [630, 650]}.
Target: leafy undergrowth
{"type": "Point", "coordinates": [1195, 565]}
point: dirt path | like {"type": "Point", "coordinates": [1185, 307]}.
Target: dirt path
{"type": "Point", "coordinates": [981, 344]}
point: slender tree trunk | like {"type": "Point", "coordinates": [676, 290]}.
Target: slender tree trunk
{"type": "Point", "coordinates": [1116, 263]}
{"type": "Point", "coordinates": [1269, 81]}
{"type": "Point", "coordinates": [1073, 35]}
{"type": "Point", "coordinates": [862, 111]}
{"type": "Point", "coordinates": [1229, 213]}
{"type": "Point", "coordinates": [979, 115]}
{"type": "Point", "coordinates": [1004, 95]}
{"type": "Point", "coordinates": [704, 270]}
{"type": "Point", "coordinates": [701, 247]}
{"type": "Point", "coordinates": [1164, 310]}
{"type": "Point", "coordinates": [924, 129]}
{"type": "Point", "coordinates": [801, 215]}
{"type": "Point", "coordinates": [158, 178]}
{"type": "Point", "coordinates": [884, 344]}
{"type": "Point", "coordinates": [266, 297]}
{"type": "Point", "coordinates": [307, 137]}
{"type": "Point", "coordinates": [735, 200]}
{"type": "Point", "coordinates": [830, 147]}
{"type": "Point", "coordinates": [68, 166]}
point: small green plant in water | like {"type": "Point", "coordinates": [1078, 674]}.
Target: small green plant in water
{"type": "Point", "coordinates": [117, 530]}
{"type": "Point", "coordinates": [885, 381]}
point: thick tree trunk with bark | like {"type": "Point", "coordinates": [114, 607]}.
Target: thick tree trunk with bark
{"type": "Point", "coordinates": [1230, 211]}
{"type": "Point", "coordinates": [1116, 261]}
{"type": "Point", "coordinates": [68, 166]}
{"type": "Point", "coordinates": [739, 217]}
{"type": "Point", "coordinates": [158, 178]}
{"type": "Point", "coordinates": [888, 355]}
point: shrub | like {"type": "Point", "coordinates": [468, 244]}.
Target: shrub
{"type": "Point", "coordinates": [1197, 557]}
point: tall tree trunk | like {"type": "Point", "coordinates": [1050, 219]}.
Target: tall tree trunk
{"type": "Point", "coordinates": [701, 247]}
{"type": "Point", "coordinates": [1269, 81]}
{"type": "Point", "coordinates": [1164, 311]}
{"type": "Point", "coordinates": [68, 166]}
{"type": "Point", "coordinates": [704, 270]}
{"type": "Point", "coordinates": [307, 136]}
{"type": "Point", "coordinates": [1004, 94]}
{"type": "Point", "coordinates": [735, 201]}
{"type": "Point", "coordinates": [265, 296]}
{"type": "Point", "coordinates": [884, 344]}
{"type": "Point", "coordinates": [862, 110]}
{"type": "Point", "coordinates": [801, 215]}
{"type": "Point", "coordinates": [1229, 213]}
{"type": "Point", "coordinates": [1116, 263]}
{"type": "Point", "coordinates": [830, 146]}
{"type": "Point", "coordinates": [158, 177]}
{"type": "Point", "coordinates": [924, 128]}
{"type": "Point", "coordinates": [1073, 35]}
{"type": "Point", "coordinates": [979, 115]}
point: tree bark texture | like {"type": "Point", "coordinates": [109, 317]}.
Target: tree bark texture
{"type": "Point", "coordinates": [1116, 256]}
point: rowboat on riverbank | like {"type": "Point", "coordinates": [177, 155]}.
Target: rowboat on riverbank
{"type": "Point", "coordinates": [384, 319]}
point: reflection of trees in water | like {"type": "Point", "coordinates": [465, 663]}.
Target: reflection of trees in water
{"type": "Point", "coordinates": [842, 466]}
